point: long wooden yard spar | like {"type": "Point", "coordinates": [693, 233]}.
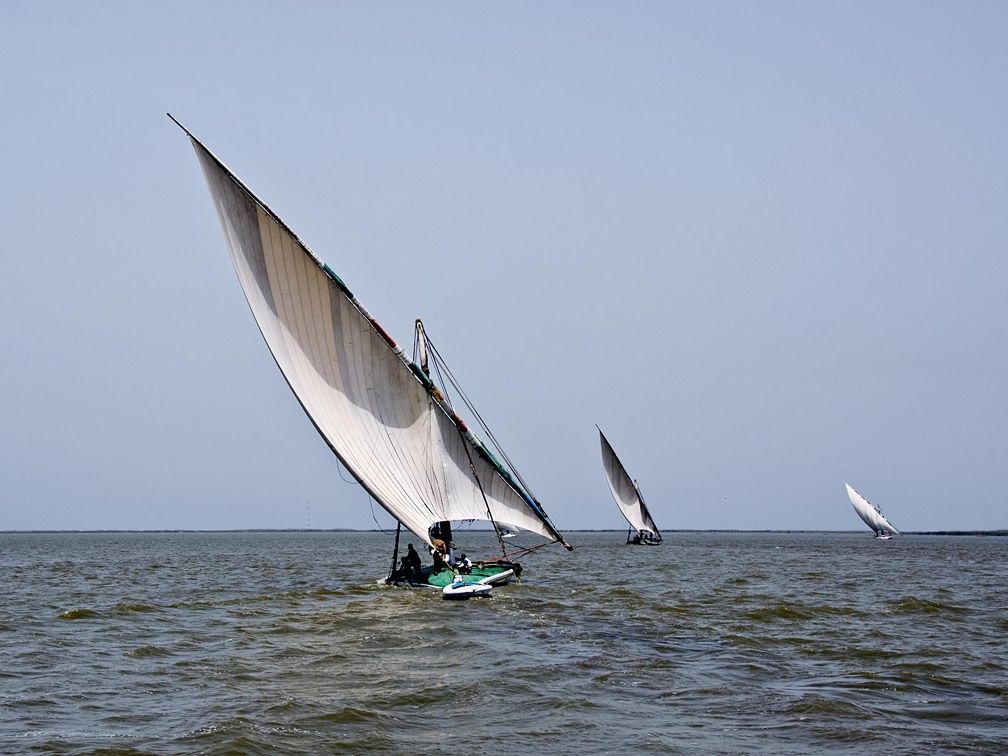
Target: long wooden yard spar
{"type": "Point", "coordinates": [375, 407]}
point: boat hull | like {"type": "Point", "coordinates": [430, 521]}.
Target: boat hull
{"type": "Point", "coordinates": [643, 540]}
{"type": "Point", "coordinates": [461, 590]}
{"type": "Point", "coordinates": [488, 573]}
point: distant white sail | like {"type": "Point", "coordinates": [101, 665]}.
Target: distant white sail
{"type": "Point", "coordinates": [870, 514]}
{"type": "Point", "coordinates": [625, 492]}
{"type": "Point", "coordinates": [375, 408]}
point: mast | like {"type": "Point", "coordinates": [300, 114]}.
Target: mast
{"type": "Point", "coordinates": [395, 553]}
{"type": "Point", "coordinates": [442, 530]}
{"type": "Point", "coordinates": [648, 519]}
{"type": "Point", "coordinates": [421, 344]}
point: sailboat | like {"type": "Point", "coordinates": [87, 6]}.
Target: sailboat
{"type": "Point", "coordinates": [871, 515]}
{"type": "Point", "coordinates": [625, 491]}
{"type": "Point", "coordinates": [380, 412]}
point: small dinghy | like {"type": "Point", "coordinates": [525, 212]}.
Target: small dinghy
{"type": "Point", "coordinates": [500, 578]}
{"type": "Point", "coordinates": [465, 589]}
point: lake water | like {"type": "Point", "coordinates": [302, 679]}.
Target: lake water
{"type": "Point", "coordinates": [267, 642]}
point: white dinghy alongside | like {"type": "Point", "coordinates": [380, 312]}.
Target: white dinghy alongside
{"type": "Point", "coordinates": [461, 590]}
{"type": "Point", "coordinates": [464, 588]}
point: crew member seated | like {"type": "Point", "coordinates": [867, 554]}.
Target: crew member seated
{"type": "Point", "coordinates": [411, 565]}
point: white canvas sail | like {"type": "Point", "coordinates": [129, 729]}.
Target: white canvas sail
{"type": "Point", "coordinates": [871, 515]}
{"type": "Point", "coordinates": [625, 492]}
{"type": "Point", "coordinates": [373, 406]}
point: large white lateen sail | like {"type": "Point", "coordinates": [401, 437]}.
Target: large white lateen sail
{"type": "Point", "coordinates": [626, 493]}
{"type": "Point", "coordinates": [376, 409]}
{"type": "Point", "coordinates": [870, 514]}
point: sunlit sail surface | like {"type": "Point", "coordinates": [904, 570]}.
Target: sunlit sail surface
{"type": "Point", "coordinates": [376, 409]}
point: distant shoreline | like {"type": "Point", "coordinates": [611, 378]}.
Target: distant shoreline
{"type": "Point", "coordinates": [605, 530]}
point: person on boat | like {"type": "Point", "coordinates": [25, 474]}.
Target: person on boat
{"type": "Point", "coordinates": [439, 561]}
{"type": "Point", "coordinates": [464, 565]}
{"type": "Point", "coordinates": [411, 564]}
{"type": "Point", "coordinates": [452, 558]}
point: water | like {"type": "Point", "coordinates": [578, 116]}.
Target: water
{"type": "Point", "coordinates": [244, 643]}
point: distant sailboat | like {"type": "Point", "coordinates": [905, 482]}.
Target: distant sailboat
{"type": "Point", "coordinates": [871, 515]}
{"type": "Point", "coordinates": [379, 411]}
{"type": "Point", "coordinates": [628, 498]}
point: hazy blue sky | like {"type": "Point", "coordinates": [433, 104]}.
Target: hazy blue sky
{"type": "Point", "coordinates": [764, 246]}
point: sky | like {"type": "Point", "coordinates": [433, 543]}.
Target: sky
{"type": "Point", "coordinates": [763, 246]}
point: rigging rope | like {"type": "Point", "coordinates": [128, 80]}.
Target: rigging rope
{"type": "Point", "coordinates": [339, 469]}
{"type": "Point", "coordinates": [371, 503]}
{"type": "Point", "coordinates": [529, 550]}
{"type": "Point", "coordinates": [521, 486]}
{"type": "Point", "coordinates": [440, 362]}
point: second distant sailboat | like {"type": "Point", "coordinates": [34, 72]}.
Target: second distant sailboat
{"type": "Point", "coordinates": [871, 515]}
{"type": "Point", "coordinates": [629, 499]}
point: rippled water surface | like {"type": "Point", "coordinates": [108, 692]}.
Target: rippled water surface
{"type": "Point", "coordinates": [179, 643]}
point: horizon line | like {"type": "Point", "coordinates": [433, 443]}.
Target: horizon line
{"type": "Point", "coordinates": [993, 532]}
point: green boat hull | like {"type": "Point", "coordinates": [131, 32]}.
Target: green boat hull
{"type": "Point", "coordinates": [496, 573]}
